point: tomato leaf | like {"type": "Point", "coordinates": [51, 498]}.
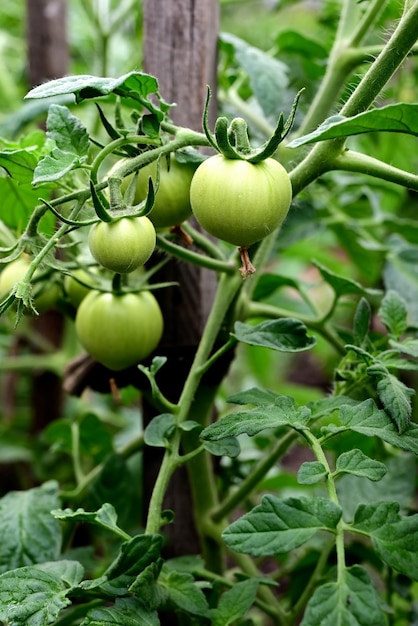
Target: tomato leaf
{"type": "Point", "coordinates": [394, 537]}
{"type": "Point", "coordinates": [286, 335]}
{"type": "Point", "coordinates": [105, 517]}
{"type": "Point", "coordinates": [398, 118]}
{"type": "Point", "coordinates": [341, 285]}
{"type": "Point", "coordinates": [352, 600]}
{"type": "Point", "coordinates": [124, 612]}
{"type": "Point", "coordinates": [35, 595]}
{"type": "Point", "coordinates": [284, 412]}
{"type": "Point", "coordinates": [68, 132]}
{"type": "Point", "coordinates": [29, 533]}
{"type": "Point", "coordinates": [227, 446]}
{"type": "Point", "coordinates": [235, 602]}
{"type": "Point", "coordinates": [394, 314]}
{"type": "Point", "coordinates": [359, 464]}
{"type": "Point", "coordinates": [181, 590]}
{"type": "Point", "coordinates": [362, 318]}
{"type": "Point", "coordinates": [280, 525]}
{"type": "Point", "coordinates": [394, 395]}
{"type": "Point", "coordinates": [400, 274]}
{"type": "Point", "coordinates": [311, 472]}
{"type": "Point", "coordinates": [160, 430]}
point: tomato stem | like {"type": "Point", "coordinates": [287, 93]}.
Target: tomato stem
{"type": "Point", "coordinates": [247, 268]}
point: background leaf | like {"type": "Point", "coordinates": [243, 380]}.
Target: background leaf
{"type": "Point", "coordinates": [235, 602]}
{"type": "Point", "coordinates": [285, 335]}
{"type": "Point", "coordinates": [125, 612]}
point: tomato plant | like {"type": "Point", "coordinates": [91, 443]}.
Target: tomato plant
{"type": "Point", "coordinates": [124, 244]}
{"type": "Point", "coordinates": [46, 293]}
{"type": "Point", "coordinates": [119, 330]}
{"type": "Point", "coordinates": [303, 380]}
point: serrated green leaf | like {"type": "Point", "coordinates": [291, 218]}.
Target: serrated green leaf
{"type": "Point", "coordinates": [35, 595]}
{"type": "Point", "coordinates": [394, 537]}
{"type": "Point", "coordinates": [182, 591]}
{"type": "Point", "coordinates": [105, 517]}
{"type": "Point", "coordinates": [283, 412]}
{"type": "Point", "coordinates": [228, 446]}
{"type": "Point", "coordinates": [235, 602]}
{"type": "Point", "coordinates": [145, 586]}
{"type": "Point", "coordinates": [362, 319]}
{"type": "Point", "coordinates": [398, 118]}
{"type": "Point", "coordinates": [398, 485]}
{"type": "Point", "coordinates": [281, 525]}
{"type": "Point", "coordinates": [359, 464]}
{"type": "Point", "coordinates": [68, 132]}
{"type": "Point", "coordinates": [268, 76]}
{"type": "Point", "coordinates": [86, 86]}
{"type": "Point", "coordinates": [28, 532]}
{"type": "Point", "coordinates": [394, 314]}
{"type": "Point", "coordinates": [285, 335]}
{"type": "Point", "coordinates": [134, 556]}
{"type": "Point", "coordinates": [54, 166]}
{"type": "Point", "coordinates": [394, 395]}
{"type": "Point", "coordinates": [367, 419]}
{"type": "Point", "coordinates": [125, 612]}
{"type": "Point", "coordinates": [351, 602]}
{"type": "Point", "coordinates": [160, 430]}
{"type": "Point", "coordinates": [311, 472]}
{"type": "Point", "coordinates": [268, 283]}
{"type": "Point", "coordinates": [259, 397]}
{"type": "Point", "coordinates": [343, 286]}
{"type": "Point", "coordinates": [400, 274]}
{"type": "Point", "coordinates": [409, 346]}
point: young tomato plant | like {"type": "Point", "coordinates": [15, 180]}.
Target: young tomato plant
{"type": "Point", "coordinates": [301, 463]}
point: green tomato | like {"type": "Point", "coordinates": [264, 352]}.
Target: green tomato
{"type": "Point", "coordinates": [123, 245]}
{"type": "Point", "coordinates": [119, 330]}
{"type": "Point", "coordinates": [238, 201]}
{"type": "Point", "coordinates": [45, 294]}
{"type": "Point", "coordinates": [172, 200]}
{"type": "Point", "coordinates": [75, 291]}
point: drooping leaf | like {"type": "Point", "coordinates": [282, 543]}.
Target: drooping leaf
{"type": "Point", "coordinates": [255, 395]}
{"type": "Point", "coordinates": [359, 464]}
{"type": "Point", "coordinates": [283, 412]}
{"type": "Point", "coordinates": [409, 346]}
{"type": "Point", "coordinates": [394, 395]}
{"type": "Point", "coordinates": [281, 524]}
{"type": "Point", "coordinates": [341, 285]}
{"type": "Point", "coordinates": [105, 517]}
{"type": "Point", "coordinates": [268, 76]}
{"type": "Point", "coordinates": [124, 612]}
{"type": "Point", "coordinates": [285, 335]}
{"type": "Point", "coordinates": [395, 537]}
{"type": "Point", "coordinates": [182, 591]}
{"type": "Point", "coordinates": [29, 534]}
{"type": "Point", "coordinates": [235, 602]}
{"type": "Point", "coordinates": [227, 446]}
{"type": "Point", "coordinates": [160, 430]}
{"type": "Point", "coordinates": [311, 472]}
{"type": "Point", "coordinates": [35, 595]}
{"type": "Point", "coordinates": [395, 118]}
{"type": "Point", "coordinates": [352, 601]}
{"type": "Point", "coordinates": [54, 166]}
{"type": "Point", "coordinates": [365, 418]}
{"type": "Point", "coordinates": [393, 313]}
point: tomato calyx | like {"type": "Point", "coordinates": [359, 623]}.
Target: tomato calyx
{"type": "Point", "coordinates": [232, 139]}
{"type": "Point", "coordinates": [247, 268]}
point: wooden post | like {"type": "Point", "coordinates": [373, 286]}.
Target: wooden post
{"type": "Point", "coordinates": [180, 49]}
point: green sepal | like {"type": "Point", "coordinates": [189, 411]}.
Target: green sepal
{"type": "Point", "coordinates": [99, 203]}
{"type": "Point", "coordinates": [222, 138]}
{"type": "Point", "coordinates": [65, 220]}
{"type": "Point", "coordinates": [210, 136]}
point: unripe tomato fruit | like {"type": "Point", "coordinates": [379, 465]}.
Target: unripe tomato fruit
{"type": "Point", "coordinates": [238, 201]}
{"type": "Point", "coordinates": [45, 295]}
{"type": "Point", "coordinates": [123, 245]}
{"type": "Point", "coordinates": [119, 330]}
{"type": "Point", "coordinates": [75, 291]}
{"type": "Point", "coordinates": [172, 200]}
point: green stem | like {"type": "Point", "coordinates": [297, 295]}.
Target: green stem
{"type": "Point", "coordinates": [351, 161]}
{"type": "Point", "coordinates": [75, 452]}
{"type": "Point", "coordinates": [190, 256]}
{"type": "Point", "coordinates": [370, 16]}
{"type": "Point", "coordinates": [253, 478]}
{"type": "Point", "coordinates": [203, 242]}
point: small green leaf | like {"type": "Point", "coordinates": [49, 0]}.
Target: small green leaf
{"type": "Point", "coordinates": [353, 601]}
{"type": "Point", "coordinates": [105, 517]}
{"type": "Point", "coordinates": [400, 274]}
{"type": "Point", "coordinates": [35, 595]}
{"type": "Point", "coordinates": [362, 319]}
{"type": "Point", "coordinates": [160, 430]}
{"type": "Point", "coordinates": [69, 134]}
{"type": "Point", "coordinates": [311, 472]}
{"type": "Point", "coordinates": [125, 612]}
{"type": "Point", "coordinates": [365, 418]}
{"type": "Point", "coordinates": [357, 463]}
{"type": "Point", "coordinates": [409, 346]}
{"type": "Point", "coordinates": [393, 313]}
{"type": "Point", "coordinates": [394, 395]}
{"type": "Point", "coordinates": [394, 537]}
{"type": "Point", "coordinates": [284, 412]}
{"type": "Point", "coordinates": [228, 446]}
{"type": "Point", "coordinates": [259, 397]}
{"type": "Point", "coordinates": [54, 166]}
{"type": "Point", "coordinates": [29, 533]}
{"type": "Point", "coordinates": [281, 525]}
{"type": "Point", "coordinates": [146, 588]}
{"type": "Point", "coordinates": [343, 286]}
{"type": "Point", "coordinates": [285, 335]}
{"type": "Point", "coordinates": [183, 592]}
{"type": "Point", "coordinates": [235, 602]}
{"type": "Point", "coordinates": [398, 118]}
